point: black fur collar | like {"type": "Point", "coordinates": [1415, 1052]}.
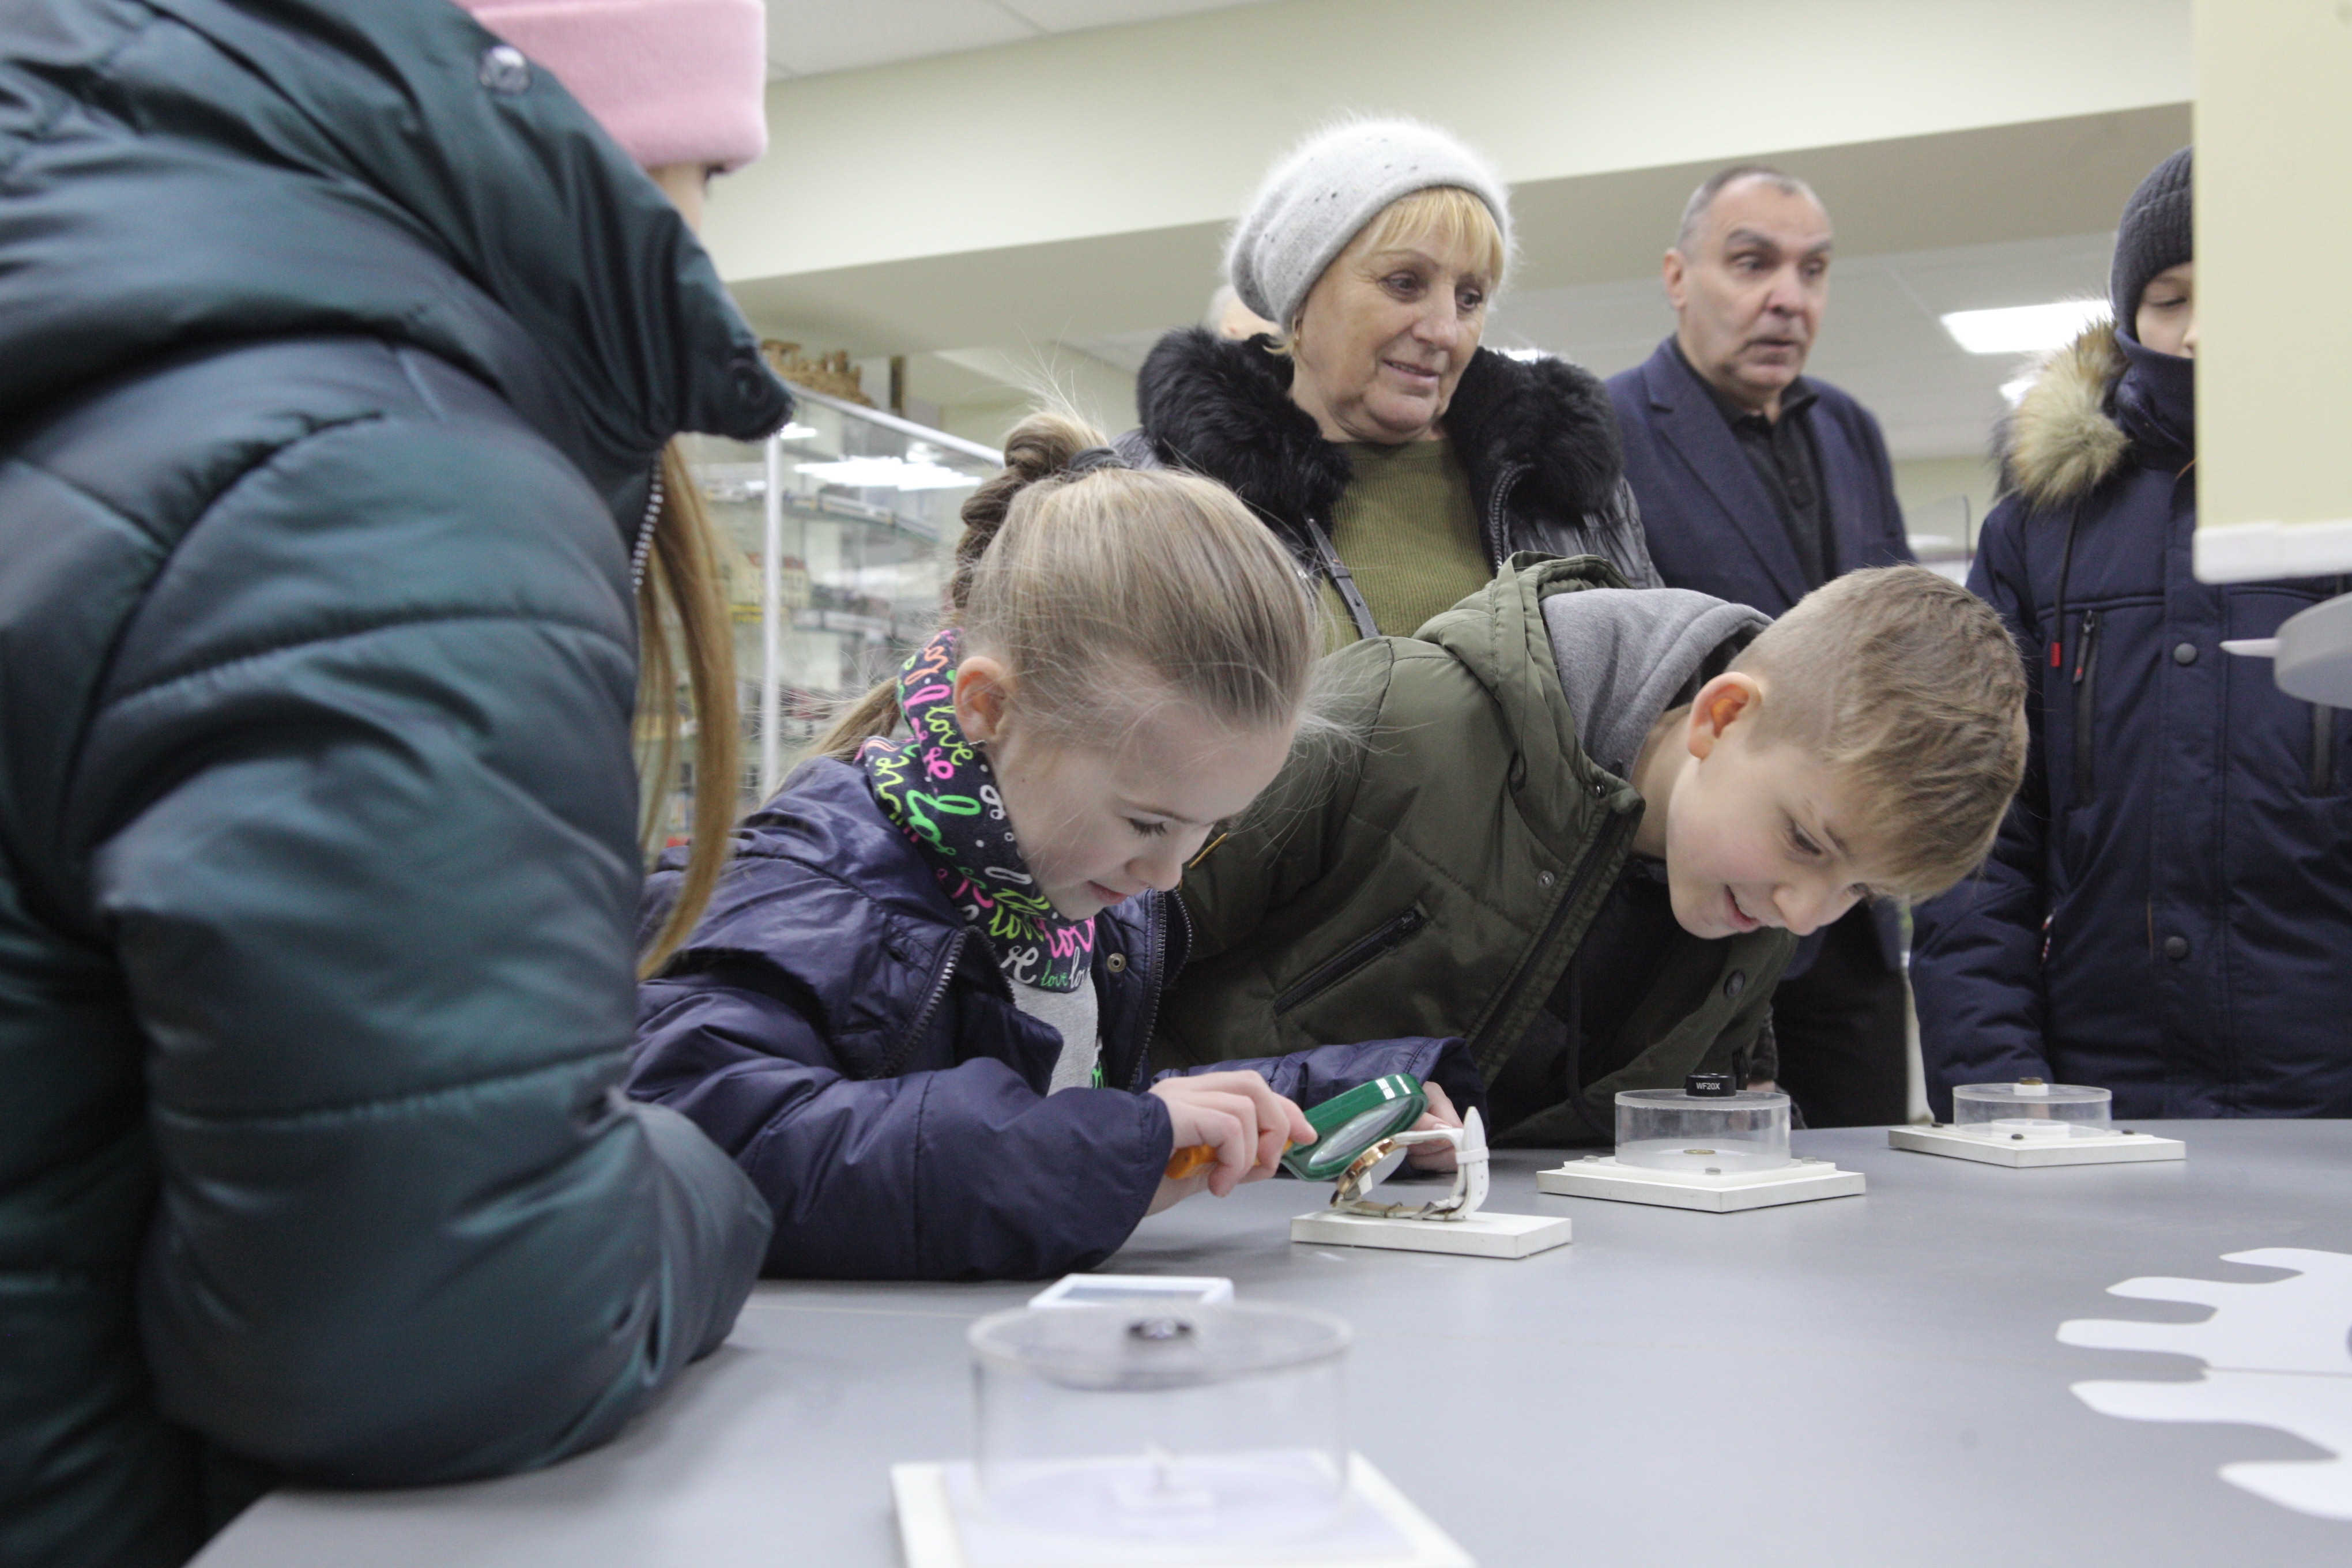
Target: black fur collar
{"type": "Point", "coordinates": [1223, 410]}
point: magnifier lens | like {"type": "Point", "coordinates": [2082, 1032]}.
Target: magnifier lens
{"type": "Point", "coordinates": [1361, 1134]}
{"type": "Point", "coordinates": [1348, 1124]}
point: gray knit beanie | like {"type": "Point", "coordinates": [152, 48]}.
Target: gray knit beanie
{"type": "Point", "coordinates": [1319, 197]}
{"type": "Point", "coordinates": [2154, 235]}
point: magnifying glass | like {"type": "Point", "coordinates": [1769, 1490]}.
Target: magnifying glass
{"type": "Point", "coordinates": [1345, 1126]}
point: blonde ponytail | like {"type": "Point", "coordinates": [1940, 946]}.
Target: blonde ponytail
{"type": "Point", "coordinates": [682, 614]}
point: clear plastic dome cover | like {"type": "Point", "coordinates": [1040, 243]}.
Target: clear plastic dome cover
{"type": "Point", "coordinates": [1201, 1422]}
{"type": "Point", "coordinates": [2030, 1111]}
{"type": "Point", "coordinates": [1721, 1134]}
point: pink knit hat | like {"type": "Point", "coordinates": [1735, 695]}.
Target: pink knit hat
{"type": "Point", "coordinates": [674, 81]}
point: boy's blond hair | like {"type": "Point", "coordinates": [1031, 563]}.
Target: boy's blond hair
{"type": "Point", "coordinates": [1911, 688]}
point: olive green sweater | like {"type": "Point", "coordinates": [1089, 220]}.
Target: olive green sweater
{"type": "Point", "coordinates": [1407, 526]}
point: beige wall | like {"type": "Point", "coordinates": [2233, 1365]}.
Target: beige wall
{"type": "Point", "coordinates": [2273, 187]}
{"type": "Point", "coordinates": [1134, 129]}
{"type": "Point", "coordinates": [1079, 185]}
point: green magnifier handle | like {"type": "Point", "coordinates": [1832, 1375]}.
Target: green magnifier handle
{"type": "Point", "coordinates": [1348, 1124]}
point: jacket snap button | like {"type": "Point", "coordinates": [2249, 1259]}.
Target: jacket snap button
{"type": "Point", "coordinates": [2176, 947]}
{"type": "Point", "coordinates": [1599, 789]}
{"type": "Point", "coordinates": [2185, 653]}
{"type": "Point", "coordinates": [1734, 983]}
{"type": "Point", "coordinates": [1545, 879]}
{"type": "Point", "coordinates": [504, 70]}
{"type": "Point", "coordinates": [1116, 963]}
{"type": "Point", "coordinates": [754, 383]}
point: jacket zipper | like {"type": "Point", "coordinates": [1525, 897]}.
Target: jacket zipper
{"type": "Point", "coordinates": [2322, 749]}
{"type": "Point", "coordinates": [1603, 849]}
{"type": "Point", "coordinates": [2086, 680]}
{"type": "Point", "coordinates": [1504, 482]}
{"type": "Point", "coordinates": [1351, 958]}
{"type": "Point", "coordinates": [939, 991]}
{"type": "Point", "coordinates": [1160, 979]}
{"type": "Point", "coordinates": [2323, 739]}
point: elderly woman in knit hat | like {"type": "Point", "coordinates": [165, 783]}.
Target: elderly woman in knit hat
{"type": "Point", "coordinates": [1398, 458]}
{"type": "Point", "coordinates": [2166, 912]}
{"type": "Point", "coordinates": [339, 348]}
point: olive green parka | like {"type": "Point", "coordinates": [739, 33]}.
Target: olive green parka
{"type": "Point", "coordinates": [1431, 868]}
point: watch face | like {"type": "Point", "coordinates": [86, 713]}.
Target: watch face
{"type": "Point", "coordinates": [1381, 1171]}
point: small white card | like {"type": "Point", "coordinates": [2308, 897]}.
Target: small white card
{"type": "Point", "coordinates": [1135, 1291]}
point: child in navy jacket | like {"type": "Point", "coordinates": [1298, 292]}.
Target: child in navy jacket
{"type": "Point", "coordinates": [2169, 908]}
{"type": "Point", "coordinates": [915, 1010]}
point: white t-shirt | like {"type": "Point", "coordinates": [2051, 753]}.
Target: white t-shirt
{"type": "Point", "coordinates": [1076, 1016]}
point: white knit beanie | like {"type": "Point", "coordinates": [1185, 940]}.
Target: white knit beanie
{"type": "Point", "coordinates": [1319, 197]}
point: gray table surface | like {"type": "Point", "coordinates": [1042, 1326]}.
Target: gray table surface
{"type": "Point", "coordinates": [1861, 1380]}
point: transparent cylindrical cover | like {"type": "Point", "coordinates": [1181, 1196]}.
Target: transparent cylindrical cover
{"type": "Point", "coordinates": [1669, 1130]}
{"type": "Point", "coordinates": [2032, 1112]}
{"type": "Point", "coordinates": [1195, 1422]}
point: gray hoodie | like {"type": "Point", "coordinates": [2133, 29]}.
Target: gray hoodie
{"type": "Point", "coordinates": [1628, 655]}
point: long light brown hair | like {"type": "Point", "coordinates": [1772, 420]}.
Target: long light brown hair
{"type": "Point", "coordinates": [683, 623]}
{"type": "Point", "coordinates": [1105, 589]}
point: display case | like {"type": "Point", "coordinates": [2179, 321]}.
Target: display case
{"type": "Point", "coordinates": [836, 534]}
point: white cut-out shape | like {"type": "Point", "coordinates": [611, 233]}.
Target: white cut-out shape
{"type": "Point", "coordinates": [2277, 1354]}
{"type": "Point", "coordinates": [2300, 1324]}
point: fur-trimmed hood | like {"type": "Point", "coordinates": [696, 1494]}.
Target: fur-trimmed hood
{"type": "Point", "coordinates": [2061, 442]}
{"type": "Point", "coordinates": [1542, 431]}
{"type": "Point", "coordinates": [2101, 400]}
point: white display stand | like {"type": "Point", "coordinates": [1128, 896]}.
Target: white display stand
{"type": "Point", "coordinates": [2106, 1149]}
{"type": "Point", "coordinates": [1601, 1176]}
{"type": "Point", "coordinates": [1479, 1234]}
{"type": "Point", "coordinates": [942, 1524]}
{"type": "Point", "coordinates": [1452, 1224]}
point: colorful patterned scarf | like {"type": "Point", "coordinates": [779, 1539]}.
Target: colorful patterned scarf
{"type": "Point", "coordinates": [942, 794]}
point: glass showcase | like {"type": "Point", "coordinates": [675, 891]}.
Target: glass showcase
{"type": "Point", "coordinates": [835, 535]}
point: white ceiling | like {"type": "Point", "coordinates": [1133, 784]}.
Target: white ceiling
{"type": "Point", "coordinates": [1880, 338]}
{"type": "Point", "coordinates": [808, 37]}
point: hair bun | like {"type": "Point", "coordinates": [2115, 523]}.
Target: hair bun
{"type": "Point", "coordinates": [1041, 447]}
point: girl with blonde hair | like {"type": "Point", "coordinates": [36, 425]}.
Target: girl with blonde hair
{"type": "Point", "coordinates": [919, 1008]}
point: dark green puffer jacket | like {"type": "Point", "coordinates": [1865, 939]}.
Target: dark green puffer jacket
{"type": "Point", "coordinates": [1434, 873]}
{"type": "Point", "coordinates": [329, 383]}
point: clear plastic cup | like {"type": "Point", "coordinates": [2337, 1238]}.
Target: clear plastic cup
{"type": "Point", "coordinates": [1197, 1422]}
{"type": "Point", "coordinates": [1718, 1134]}
{"type": "Point", "coordinates": [2031, 1112]}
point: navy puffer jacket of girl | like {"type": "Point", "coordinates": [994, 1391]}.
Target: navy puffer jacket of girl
{"type": "Point", "coordinates": [836, 1026]}
{"type": "Point", "coordinates": [2169, 908]}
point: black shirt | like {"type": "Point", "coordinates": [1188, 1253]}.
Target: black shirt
{"type": "Point", "coordinates": [1580, 1038]}
{"type": "Point", "coordinates": [1783, 455]}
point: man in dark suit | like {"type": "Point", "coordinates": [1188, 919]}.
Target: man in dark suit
{"type": "Point", "coordinates": [1758, 485]}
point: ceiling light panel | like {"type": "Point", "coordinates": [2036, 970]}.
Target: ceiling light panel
{"type": "Point", "coordinates": [2023, 328]}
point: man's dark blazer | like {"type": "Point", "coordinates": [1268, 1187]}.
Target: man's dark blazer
{"type": "Point", "coordinates": [1713, 525]}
